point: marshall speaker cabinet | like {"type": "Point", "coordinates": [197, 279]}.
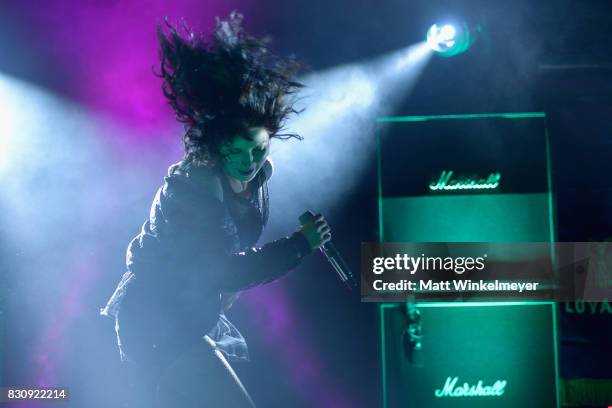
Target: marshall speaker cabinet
{"type": "Point", "coordinates": [473, 355]}
{"type": "Point", "coordinates": [467, 178]}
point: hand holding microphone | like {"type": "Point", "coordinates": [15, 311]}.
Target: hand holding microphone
{"type": "Point", "coordinates": [315, 229]}
{"type": "Point", "coordinates": [318, 234]}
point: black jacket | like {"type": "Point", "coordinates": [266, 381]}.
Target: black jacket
{"type": "Point", "coordinates": [190, 250]}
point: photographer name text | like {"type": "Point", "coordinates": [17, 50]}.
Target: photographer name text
{"type": "Point", "coordinates": [466, 285]}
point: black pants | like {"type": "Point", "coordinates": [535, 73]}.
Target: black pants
{"type": "Point", "coordinates": [196, 378]}
{"type": "Point", "coordinates": [200, 378]}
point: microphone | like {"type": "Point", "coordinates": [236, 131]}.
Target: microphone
{"type": "Point", "coordinates": [333, 257]}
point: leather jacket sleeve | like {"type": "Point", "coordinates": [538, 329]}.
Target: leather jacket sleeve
{"type": "Point", "coordinates": [193, 229]}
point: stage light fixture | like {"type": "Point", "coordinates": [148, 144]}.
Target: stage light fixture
{"type": "Point", "coordinates": [449, 39]}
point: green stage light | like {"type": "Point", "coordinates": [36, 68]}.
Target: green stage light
{"type": "Point", "coordinates": [449, 39]}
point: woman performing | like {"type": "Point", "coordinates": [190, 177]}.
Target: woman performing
{"type": "Point", "coordinates": [197, 251]}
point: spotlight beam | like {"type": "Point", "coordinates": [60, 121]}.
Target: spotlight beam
{"type": "Point", "coordinates": [338, 124]}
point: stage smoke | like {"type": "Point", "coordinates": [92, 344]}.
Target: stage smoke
{"type": "Point", "coordinates": [338, 126]}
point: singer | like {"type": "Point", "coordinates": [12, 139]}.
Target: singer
{"type": "Point", "coordinates": [196, 251]}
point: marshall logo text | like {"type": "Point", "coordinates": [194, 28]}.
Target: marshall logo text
{"type": "Point", "coordinates": [451, 389]}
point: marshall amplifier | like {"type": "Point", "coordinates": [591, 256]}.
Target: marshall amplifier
{"type": "Point", "coordinates": [465, 178]}
{"type": "Point", "coordinates": [472, 355]}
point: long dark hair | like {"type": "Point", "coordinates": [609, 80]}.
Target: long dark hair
{"type": "Point", "coordinates": [221, 84]}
